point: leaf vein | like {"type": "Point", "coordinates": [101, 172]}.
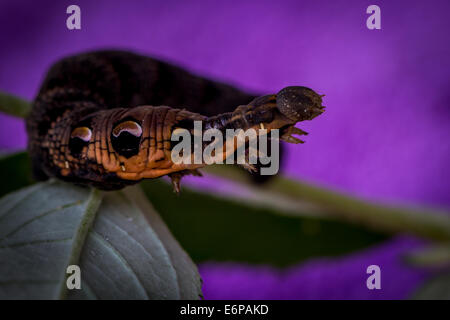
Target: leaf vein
{"type": "Point", "coordinates": [25, 223]}
{"type": "Point", "coordinates": [126, 265]}
{"type": "Point", "coordinates": [21, 244]}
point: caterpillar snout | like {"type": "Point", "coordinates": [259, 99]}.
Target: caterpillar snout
{"type": "Point", "coordinates": [299, 103]}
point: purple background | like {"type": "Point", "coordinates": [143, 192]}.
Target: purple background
{"type": "Point", "coordinates": [384, 136]}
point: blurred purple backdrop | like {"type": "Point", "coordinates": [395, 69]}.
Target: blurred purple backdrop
{"type": "Point", "coordinates": [385, 135]}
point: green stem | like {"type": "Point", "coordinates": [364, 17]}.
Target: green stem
{"type": "Point", "coordinates": [435, 256]}
{"type": "Point", "coordinates": [420, 222]}
{"type": "Point", "coordinates": [13, 105]}
{"type": "Point", "coordinates": [92, 206]}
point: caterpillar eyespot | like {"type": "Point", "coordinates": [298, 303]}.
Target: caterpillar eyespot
{"type": "Point", "coordinates": [129, 126]}
{"type": "Point", "coordinates": [82, 133]}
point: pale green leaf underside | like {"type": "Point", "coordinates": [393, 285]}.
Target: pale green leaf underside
{"type": "Point", "coordinates": [123, 253]}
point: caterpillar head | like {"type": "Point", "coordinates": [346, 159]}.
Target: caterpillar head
{"type": "Point", "coordinates": [299, 103]}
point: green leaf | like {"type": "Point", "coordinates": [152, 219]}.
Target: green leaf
{"type": "Point", "coordinates": [123, 252]}
{"type": "Point", "coordinates": [15, 171]}
{"type": "Point", "coordinates": [422, 222]}
{"type": "Point", "coordinates": [437, 288]}
{"type": "Point", "coordinates": [213, 228]}
{"type": "Point", "coordinates": [13, 105]}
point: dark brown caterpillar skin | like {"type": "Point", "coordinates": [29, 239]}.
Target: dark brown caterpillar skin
{"type": "Point", "coordinates": [85, 121]}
